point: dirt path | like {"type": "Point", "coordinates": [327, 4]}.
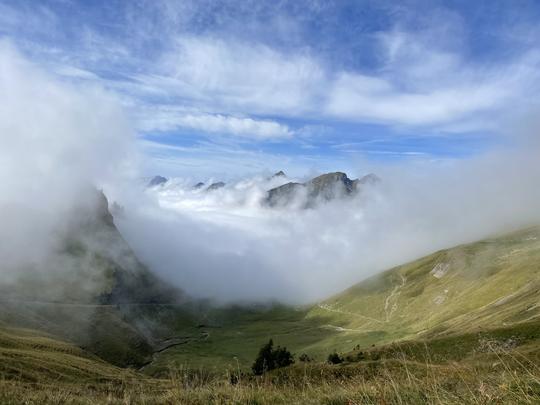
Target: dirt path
{"type": "Point", "coordinates": [342, 329]}
{"type": "Point", "coordinates": [339, 311]}
{"type": "Point", "coordinates": [84, 305]}
{"type": "Point", "coordinates": [394, 295]}
{"type": "Point", "coordinates": [390, 306]}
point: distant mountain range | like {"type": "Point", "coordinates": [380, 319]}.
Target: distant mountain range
{"type": "Point", "coordinates": [157, 181]}
{"type": "Point", "coordinates": [322, 188]}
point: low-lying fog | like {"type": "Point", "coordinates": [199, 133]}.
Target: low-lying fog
{"type": "Point", "coordinates": [227, 245]}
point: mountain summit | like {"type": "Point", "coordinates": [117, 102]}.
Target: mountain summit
{"type": "Point", "coordinates": [325, 187]}
{"type": "Point", "coordinates": [157, 181]}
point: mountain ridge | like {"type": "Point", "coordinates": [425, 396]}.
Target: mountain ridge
{"type": "Point", "coordinates": [323, 188]}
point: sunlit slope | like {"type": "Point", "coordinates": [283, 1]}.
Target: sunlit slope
{"type": "Point", "coordinates": [493, 283]}
{"type": "Point", "coordinates": [487, 284]}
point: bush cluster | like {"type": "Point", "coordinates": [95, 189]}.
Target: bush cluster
{"type": "Point", "coordinates": [335, 358]}
{"type": "Point", "coordinates": [270, 358]}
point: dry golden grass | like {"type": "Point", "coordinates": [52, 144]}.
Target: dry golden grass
{"type": "Point", "coordinates": [509, 378]}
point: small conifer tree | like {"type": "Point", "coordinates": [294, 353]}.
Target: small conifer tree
{"type": "Point", "coordinates": [270, 358]}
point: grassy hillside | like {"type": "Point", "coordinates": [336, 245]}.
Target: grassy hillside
{"type": "Point", "coordinates": [487, 284]}
{"type": "Point", "coordinates": [36, 368]}
{"type": "Point", "coordinates": [494, 283]}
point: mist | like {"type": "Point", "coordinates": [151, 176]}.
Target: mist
{"type": "Point", "coordinates": [61, 139]}
{"type": "Point", "coordinates": [228, 246]}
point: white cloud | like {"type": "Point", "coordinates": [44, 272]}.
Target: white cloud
{"type": "Point", "coordinates": [418, 84]}
{"type": "Point", "coordinates": [237, 76]}
{"type": "Point", "coordinates": [225, 82]}
{"type": "Point", "coordinates": [169, 119]}
{"type": "Point", "coordinates": [57, 141]}
{"type": "Point", "coordinates": [423, 85]}
{"type": "Point", "coordinates": [362, 98]}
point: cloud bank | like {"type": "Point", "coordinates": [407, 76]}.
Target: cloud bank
{"type": "Point", "coordinates": [226, 246]}
{"type": "Point", "coordinates": [58, 141]}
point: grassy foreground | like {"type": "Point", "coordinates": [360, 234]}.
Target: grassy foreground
{"type": "Point", "coordinates": [385, 382]}
{"type": "Point", "coordinates": [496, 367]}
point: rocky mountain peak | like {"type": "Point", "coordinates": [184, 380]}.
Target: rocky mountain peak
{"type": "Point", "coordinates": [157, 180]}
{"type": "Point", "coordinates": [215, 186]}
{"type": "Point", "coordinates": [325, 187]}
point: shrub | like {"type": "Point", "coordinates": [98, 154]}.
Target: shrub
{"type": "Point", "coordinates": [282, 357]}
{"type": "Point", "coordinates": [270, 358]}
{"type": "Point", "coordinates": [304, 358]}
{"type": "Point", "coordinates": [334, 358]}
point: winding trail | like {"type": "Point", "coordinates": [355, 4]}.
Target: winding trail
{"type": "Point", "coordinates": [390, 306]}
{"type": "Point", "coordinates": [394, 294]}
{"type": "Point", "coordinates": [339, 311]}
{"type": "Point", "coordinates": [342, 329]}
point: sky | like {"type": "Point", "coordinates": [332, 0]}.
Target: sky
{"type": "Point", "coordinates": [224, 88]}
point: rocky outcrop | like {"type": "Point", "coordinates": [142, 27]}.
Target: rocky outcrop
{"type": "Point", "coordinates": [215, 186]}
{"type": "Point", "coordinates": [157, 181]}
{"type": "Point", "coordinates": [322, 188]}
{"type": "Point", "coordinates": [284, 195]}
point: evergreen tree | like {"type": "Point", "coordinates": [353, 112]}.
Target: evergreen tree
{"type": "Point", "coordinates": [270, 358]}
{"type": "Point", "coordinates": [264, 360]}
{"type": "Point", "coordinates": [282, 357]}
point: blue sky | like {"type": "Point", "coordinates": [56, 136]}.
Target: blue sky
{"type": "Point", "coordinates": [225, 88]}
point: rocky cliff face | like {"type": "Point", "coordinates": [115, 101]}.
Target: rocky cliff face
{"type": "Point", "coordinates": [281, 173]}
{"type": "Point", "coordinates": [93, 264]}
{"type": "Point", "coordinates": [285, 194]}
{"type": "Point", "coordinates": [129, 281]}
